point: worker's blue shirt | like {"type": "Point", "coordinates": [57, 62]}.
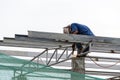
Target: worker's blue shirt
{"type": "Point", "coordinates": [82, 29]}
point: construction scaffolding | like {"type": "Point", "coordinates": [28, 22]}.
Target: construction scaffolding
{"type": "Point", "coordinates": [56, 51]}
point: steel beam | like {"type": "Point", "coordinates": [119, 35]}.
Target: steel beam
{"type": "Point", "coordinates": [88, 62]}
{"type": "Point", "coordinates": [73, 38]}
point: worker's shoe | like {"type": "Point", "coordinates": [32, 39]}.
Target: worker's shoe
{"type": "Point", "coordinates": [78, 55]}
{"type": "Point", "coordinates": [82, 54]}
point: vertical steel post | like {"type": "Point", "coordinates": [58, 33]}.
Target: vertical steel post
{"type": "Point", "coordinates": [78, 65]}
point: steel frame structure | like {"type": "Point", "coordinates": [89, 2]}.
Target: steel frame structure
{"type": "Point", "coordinates": [57, 41]}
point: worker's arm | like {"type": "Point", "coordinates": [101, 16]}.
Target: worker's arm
{"type": "Point", "coordinates": [75, 32]}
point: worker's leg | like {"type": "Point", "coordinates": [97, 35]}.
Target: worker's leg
{"type": "Point", "coordinates": [86, 49]}
{"type": "Point", "coordinates": [81, 51]}
{"type": "Point", "coordinates": [79, 48]}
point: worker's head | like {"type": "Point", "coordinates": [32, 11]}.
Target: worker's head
{"type": "Point", "coordinates": [67, 30]}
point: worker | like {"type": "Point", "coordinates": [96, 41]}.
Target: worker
{"type": "Point", "coordinates": [79, 29]}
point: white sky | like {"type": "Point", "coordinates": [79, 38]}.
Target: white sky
{"type": "Point", "coordinates": [19, 16]}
